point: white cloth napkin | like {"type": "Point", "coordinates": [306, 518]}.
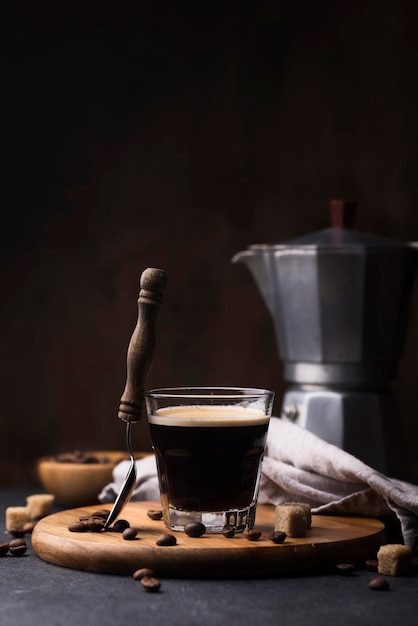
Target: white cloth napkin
{"type": "Point", "coordinates": [146, 486]}
{"type": "Point", "coordinates": [299, 466]}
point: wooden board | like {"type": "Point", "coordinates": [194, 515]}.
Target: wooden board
{"type": "Point", "coordinates": [330, 540]}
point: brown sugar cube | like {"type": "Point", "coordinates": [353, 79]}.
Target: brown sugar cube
{"type": "Point", "coordinates": [291, 519]}
{"type": "Point", "coordinates": [306, 507]}
{"type": "Point", "coordinates": [39, 505]}
{"type": "Point", "coordinates": [16, 517]}
{"type": "Point", "coordinates": [394, 559]}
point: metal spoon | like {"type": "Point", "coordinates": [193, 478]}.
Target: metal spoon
{"type": "Point", "coordinates": [139, 358]}
{"type": "Point", "coordinates": [127, 488]}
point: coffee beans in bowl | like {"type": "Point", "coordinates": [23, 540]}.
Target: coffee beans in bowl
{"type": "Point", "coordinates": [77, 478]}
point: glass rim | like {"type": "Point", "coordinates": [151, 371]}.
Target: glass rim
{"type": "Point", "coordinates": [208, 392]}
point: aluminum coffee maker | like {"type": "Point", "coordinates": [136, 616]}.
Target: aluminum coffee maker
{"type": "Point", "coordinates": [339, 299]}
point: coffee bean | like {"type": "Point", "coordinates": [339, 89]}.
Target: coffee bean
{"type": "Point", "coordinates": [150, 583]}
{"type": "Point", "coordinates": [195, 529]}
{"type": "Point", "coordinates": [86, 518]}
{"type": "Point", "coordinates": [4, 548]}
{"type": "Point", "coordinates": [28, 527]}
{"type": "Point", "coordinates": [120, 525]}
{"type": "Point", "coordinates": [379, 584]}
{"type": "Point", "coordinates": [78, 527]}
{"type": "Point", "coordinates": [95, 524]}
{"type": "Point", "coordinates": [154, 514]}
{"type": "Point", "coordinates": [101, 513]}
{"type": "Point", "coordinates": [17, 547]}
{"type": "Point", "coordinates": [228, 531]}
{"type": "Point", "coordinates": [143, 571]}
{"type": "Point", "coordinates": [81, 457]}
{"type": "Point", "coordinates": [278, 536]}
{"type": "Point", "coordinates": [14, 543]}
{"type": "Point", "coordinates": [166, 540]}
{"type": "Point", "coordinates": [17, 533]}
{"type": "Point", "coordinates": [18, 550]}
{"type": "Point", "coordinates": [130, 534]}
{"type": "Point", "coordinates": [345, 568]}
{"type": "Point", "coordinates": [253, 534]}
{"type": "Point", "coordinates": [371, 565]}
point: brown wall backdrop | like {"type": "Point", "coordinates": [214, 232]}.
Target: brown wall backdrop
{"type": "Point", "coordinates": [143, 134]}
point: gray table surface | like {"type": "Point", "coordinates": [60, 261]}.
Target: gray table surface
{"type": "Point", "coordinates": [35, 593]}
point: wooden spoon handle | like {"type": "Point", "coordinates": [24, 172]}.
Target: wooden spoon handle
{"type": "Point", "coordinates": [142, 343]}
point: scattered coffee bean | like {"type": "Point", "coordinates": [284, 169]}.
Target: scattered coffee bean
{"type": "Point", "coordinates": [278, 536]}
{"type": "Point", "coordinates": [155, 514]}
{"type": "Point", "coordinates": [379, 584]}
{"type": "Point", "coordinates": [166, 540]}
{"type": "Point", "coordinates": [253, 534]}
{"type": "Point", "coordinates": [371, 565]}
{"type": "Point", "coordinates": [17, 533]}
{"type": "Point", "coordinates": [120, 525]}
{"type": "Point", "coordinates": [345, 568]}
{"type": "Point", "coordinates": [101, 513]}
{"type": "Point", "coordinates": [4, 548]}
{"type": "Point", "coordinates": [95, 524]}
{"type": "Point", "coordinates": [18, 550]}
{"type": "Point", "coordinates": [28, 527]}
{"type": "Point", "coordinates": [143, 571]}
{"type": "Point", "coordinates": [17, 547]}
{"type": "Point", "coordinates": [195, 529]}
{"type": "Point", "coordinates": [228, 531]}
{"type": "Point", "coordinates": [130, 534]}
{"type": "Point", "coordinates": [17, 542]}
{"type": "Point", "coordinates": [78, 527]}
{"type": "Point", "coordinates": [150, 583]}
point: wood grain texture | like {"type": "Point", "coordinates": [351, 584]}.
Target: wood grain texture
{"type": "Point", "coordinates": [142, 344]}
{"type": "Point", "coordinates": [330, 540]}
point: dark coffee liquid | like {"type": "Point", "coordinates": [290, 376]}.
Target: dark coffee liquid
{"type": "Point", "coordinates": [211, 468]}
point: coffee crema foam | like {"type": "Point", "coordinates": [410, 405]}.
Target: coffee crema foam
{"type": "Point", "coordinates": [208, 416]}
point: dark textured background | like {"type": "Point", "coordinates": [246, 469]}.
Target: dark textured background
{"type": "Point", "coordinates": [151, 134]}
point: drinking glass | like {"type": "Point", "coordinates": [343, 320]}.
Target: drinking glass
{"type": "Point", "coordinates": [209, 445]}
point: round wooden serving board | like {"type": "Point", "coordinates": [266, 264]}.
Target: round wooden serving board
{"type": "Point", "coordinates": [329, 541]}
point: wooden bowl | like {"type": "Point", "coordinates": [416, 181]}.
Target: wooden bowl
{"type": "Point", "coordinates": [76, 484]}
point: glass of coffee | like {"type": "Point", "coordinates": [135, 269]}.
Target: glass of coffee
{"type": "Point", "coordinates": [209, 445]}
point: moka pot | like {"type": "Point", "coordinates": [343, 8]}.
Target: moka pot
{"type": "Point", "coordinates": [339, 301]}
